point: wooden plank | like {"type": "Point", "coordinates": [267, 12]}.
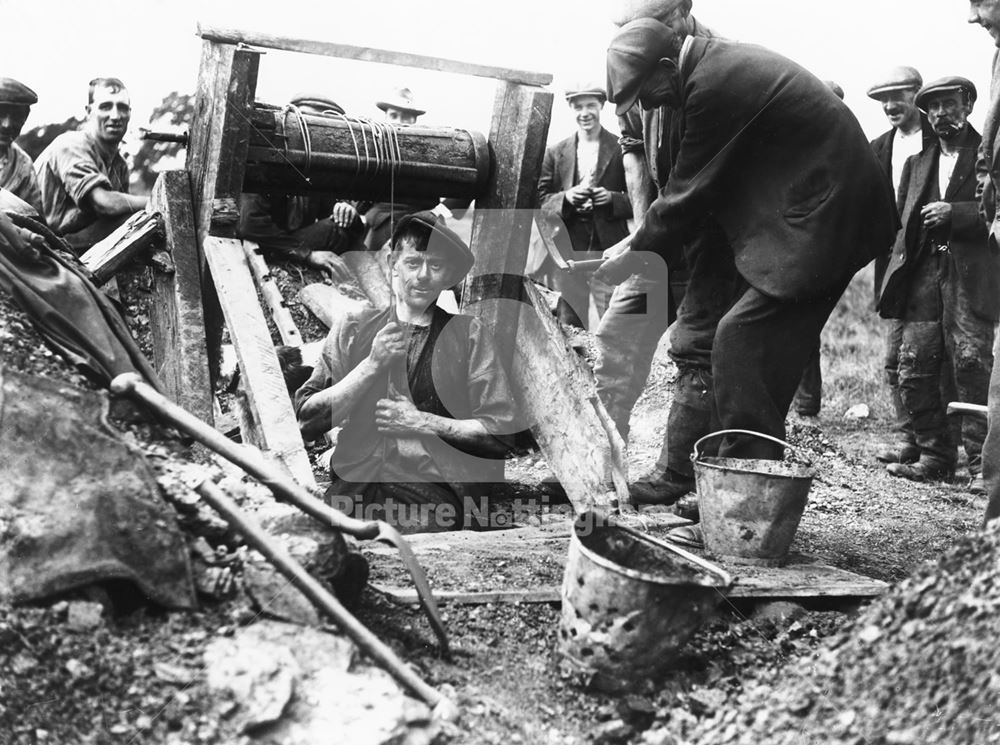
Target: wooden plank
{"type": "Point", "coordinates": [369, 54]}
{"type": "Point", "coordinates": [371, 271]}
{"type": "Point", "coordinates": [175, 315]}
{"type": "Point", "coordinates": [216, 158]}
{"type": "Point", "coordinates": [133, 237]}
{"type": "Point", "coordinates": [556, 393]}
{"type": "Point", "coordinates": [274, 425]}
{"type": "Point", "coordinates": [280, 314]}
{"type": "Point", "coordinates": [326, 302]}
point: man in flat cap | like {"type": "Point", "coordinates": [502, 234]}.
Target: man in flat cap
{"type": "Point", "coordinates": [772, 162]}
{"type": "Point", "coordinates": [643, 306]}
{"type": "Point", "coordinates": [910, 134]}
{"type": "Point", "coordinates": [583, 201]}
{"type": "Point", "coordinates": [83, 178]}
{"type": "Point", "coordinates": [420, 393]}
{"type": "Point", "coordinates": [17, 173]}
{"type": "Point", "coordinates": [943, 285]}
{"type": "Point", "coordinates": [986, 13]}
{"type": "Point", "coordinates": [313, 229]}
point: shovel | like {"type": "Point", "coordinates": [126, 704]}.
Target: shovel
{"type": "Point", "coordinates": [284, 488]}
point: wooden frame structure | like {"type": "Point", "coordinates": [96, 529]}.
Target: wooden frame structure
{"type": "Point", "coordinates": [215, 272]}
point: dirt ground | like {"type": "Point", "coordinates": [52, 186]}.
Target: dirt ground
{"type": "Point", "coordinates": [137, 678]}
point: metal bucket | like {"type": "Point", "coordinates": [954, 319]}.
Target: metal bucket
{"type": "Point", "coordinates": [750, 509]}
{"type": "Point", "coordinates": [629, 602]}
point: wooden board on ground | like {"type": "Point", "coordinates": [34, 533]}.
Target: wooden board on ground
{"type": "Point", "coordinates": [371, 272]}
{"type": "Point", "coordinates": [280, 314]}
{"type": "Point", "coordinates": [526, 565]}
{"type": "Point", "coordinates": [326, 302]}
{"type": "Point", "coordinates": [131, 239]}
{"type": "Point", "coordinates": [274, 427]}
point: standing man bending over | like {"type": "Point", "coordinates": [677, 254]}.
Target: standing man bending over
{"type": "Point", "coordinates": [83, 177]}
{"type": "Point", "coordinates": [420, 393]}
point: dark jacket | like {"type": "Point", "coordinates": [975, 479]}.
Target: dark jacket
{"type": "Point", "coordinates": [882, 147]}
{"type": "Point", "coordinates": [607, 225]}
{"type": "Point", "coordinates": [976, 268]}
{"type": "Point", "coordinates": [780, 163]}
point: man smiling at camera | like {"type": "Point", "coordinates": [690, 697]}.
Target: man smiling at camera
{"type": "Point", "coordinates": [83, 178]}
{"type": "Point", "coordinates": [420, 393]}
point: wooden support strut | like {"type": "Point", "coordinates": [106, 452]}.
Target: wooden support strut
{"type": "Point", "coordinates": [130, 240]}
{"type": "Point", "coordinates": [368, 54]}
{"type": "Point", "coordinates": [280, 314]}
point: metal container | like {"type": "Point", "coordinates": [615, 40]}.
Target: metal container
{"type": "Point", "coordinates": [629, 602]}
{"type": "Point", "coordinates": [750, 509]}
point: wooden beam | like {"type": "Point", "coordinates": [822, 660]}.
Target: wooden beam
{"type": "Point", "coordinates": [501, 227]}
{"type": "Point", "coordinates": [280, 314]}
{"type": "Point", "coordinates": [274, 427]}
{"type": "Point", "coordinates": [371, 271]}
{"type": "Point", "coordinates": [368, 54]}
{"type": "Point", "coordinates": [129, 241]}
{"type": "Point", "coordinates": [326, 302]}
{"type": "Point", "coordinates": [175, 314]}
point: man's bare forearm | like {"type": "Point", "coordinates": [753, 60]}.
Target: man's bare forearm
{"type": "Point", "coordinates": [468, 435]}
{"type": "Point", "coordinates": [329, 407]}
{"type": "Point", "coordinates": [639, 183]}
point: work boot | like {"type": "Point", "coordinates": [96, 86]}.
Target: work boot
{"type": "Point", "coordinates": [661, 488]}
{"type": "Point", "coordinates": [977, 486]}
{"type": "Point", "coordinates": [901, 452]}
{"type": "Point", "coordinates": [924, 469]}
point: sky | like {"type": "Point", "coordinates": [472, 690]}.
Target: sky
{"type": "Point", "coordinates": [56, 46]}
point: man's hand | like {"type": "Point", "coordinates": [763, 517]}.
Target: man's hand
{"type": "Point", "coordinates": [22, 241]}
{"type": "Point", "coordinates": [330, 264]}
{"type": "Point", "coordinates": [620, 267]}
{"type": "Point", "coordinates": [388, 345]}
{"type": "Point", "coordinates": [399, 416]}
{"type": "Point", "coordinates": [343, 214]}
{"type": "Point", "coordinates": [600, 196]}
{"type": "Point", "coordinates": [936, 214]}
{"type": "Point", "coordinates": [578, 196]}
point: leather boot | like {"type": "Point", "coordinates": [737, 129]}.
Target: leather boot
{"type": "Point", "coordinates": [925, 469]}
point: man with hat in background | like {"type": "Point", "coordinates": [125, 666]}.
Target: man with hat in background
{"type": "Point", "coordinates": [943, 285]}
{"type": "Point", "coordinates": [910, 134]}
{"type": "Point", "coordinates": [421, 394]}
{"type": "Point", "coordinates": [776, 168]}
{"type": "Point", "coordinates": [17, 173]}
{"type": "Point", "coordinates": [583, 202]}
{"type": "Point", "coordinates": [312, 229]}
{"type": "Point", "coordinates": [83, 177]}
{"type": "Point", "coordinates": [400, 108]}
{"type": "Point", "coordinates": [643, 306]}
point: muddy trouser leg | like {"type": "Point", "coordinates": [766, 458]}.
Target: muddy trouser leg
{"type": "Point", "coordinates": [921, 364]}
{"type": "Point", "coordinates": [761, 347]}
{"type": "Point", "coordinates": [991, 446]}
{"type": "Point", "coordinates": [809, 395]}
{"type": "Point", "coordinates": [627, 336]}
{"type": "Point", "coordinates": [902, 426]}
{"type": "Point", "coordinates": [969, 342]}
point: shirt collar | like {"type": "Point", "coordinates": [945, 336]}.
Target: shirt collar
{"type": "Point", "coordinates": [685, 48]}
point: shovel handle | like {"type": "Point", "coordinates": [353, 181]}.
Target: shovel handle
{"type": "Point", "coordinates": [132, 385]}
{"type": "Point", "coordinates": [696, 455]}
{"type": "Point", "coordinates": [957, 407]}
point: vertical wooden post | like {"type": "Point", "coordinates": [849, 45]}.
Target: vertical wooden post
{"type": "Point", "coordinates": [501, 227]}
{"type": "Point", "coordinates": [176, 320]}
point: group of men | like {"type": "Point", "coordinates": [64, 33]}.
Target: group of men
{"type": "Point", "coordinates": [80, 185]}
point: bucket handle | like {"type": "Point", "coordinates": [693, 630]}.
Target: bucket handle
{"type": "Point", "coordinates": [696, 455]}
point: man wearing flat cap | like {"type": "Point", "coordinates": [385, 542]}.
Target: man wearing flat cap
{"type": "Point", "coordinates": [583, 201]}
{"type": "Point", "coordinates": [311, 229]}
{"type": "Point", "coordinates": [943, 285]}
{"type": "Point", "coordinates": [643, 306]}
{"type": "Point", "coordinates": [772, 161]}
{"type": "Point", "coordinates": [17, 173]}
{"type": "Point", "coordinates": [420, 393]}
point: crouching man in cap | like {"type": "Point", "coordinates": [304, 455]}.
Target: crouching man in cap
{"type": "Point", "coordinates": [943, 284]}
{"type": "Point", "coordinates": [583, 202]}
{"type": "Point", "coordinates": [17, 173]}
{"type": "Point", "coordinates": [420, 394]}
{"type": "Point", "coordinates": [313, 229]}
{"type": "Point", "coordinates": [769, 157]}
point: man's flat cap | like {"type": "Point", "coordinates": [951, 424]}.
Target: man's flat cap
{"type": "Point", "coordinates": [590, 88]}
{"type": "Point", "coordinates": [946, 85]}
{"type": "Point", "coordinates": [442, 237]}
{"type": "Point", "coordinates": [626, 11]}
{"type": "Point", "coordinates": [898, 79]}
{"type": "Point", "coordinates": [324, 104]}
{"type": "Point", "coordinates": [632, 55]}
{"type": "Point", "coordinates": [14, 91]}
